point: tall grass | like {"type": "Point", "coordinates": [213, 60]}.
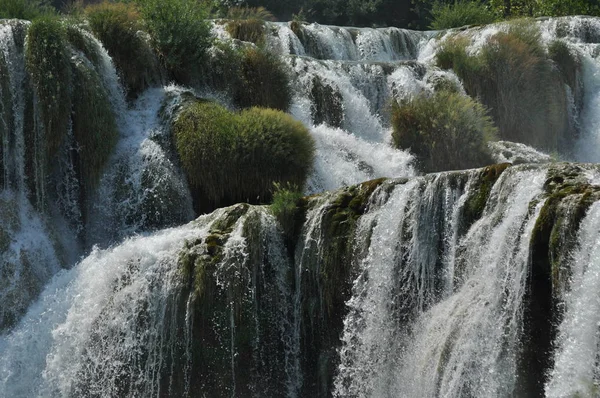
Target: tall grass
{"type": "Point", "coordinates": [264, 81]}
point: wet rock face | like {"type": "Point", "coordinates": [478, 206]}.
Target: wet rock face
{"type": "Point", "coordinates": [569, 193]}
{"type": "Point", "coordinates": [516, 153]}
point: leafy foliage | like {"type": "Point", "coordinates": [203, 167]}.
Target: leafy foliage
{"type": "Point", "coordinates": [446, 131]}
{"type": "Point", "coordinates": [460, 13]}
{"type": "Point", "coordinates": [230, 158]}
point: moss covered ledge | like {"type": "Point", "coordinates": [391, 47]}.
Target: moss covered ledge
{"type": "Point", "coordinates": [568, 194]}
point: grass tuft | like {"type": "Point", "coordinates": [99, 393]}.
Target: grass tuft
{"type": "Point", "coordinates": [447, 131]}
{"type": "Point", "coordinates": [230, 158]}
{"type": "Point", "coordinates": [118, 26]}
{"type": "Point", "coordinates": [264, 81]}
{"type": "Point", "coordinates": [514, 78]}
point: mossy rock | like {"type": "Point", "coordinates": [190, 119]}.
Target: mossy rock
{"type": "Point", "coordinates": [47, 61]}
{"type": "Point", "coordinates": [94, 124]}
{"type": "Point", "coordinates": [230, 158]}
{"type": "Point", "coordinates": [567, 196]}
{"type": "Point", "coordinates": [6, 113]}
{"type": "Point", "coordinates": [475, 204]}
{"type": "Point", "coordinates": [327, 104]}
{"type": "Point", "coordinates": [233, 303]}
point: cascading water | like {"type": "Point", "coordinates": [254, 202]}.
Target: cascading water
{"type": "Point", "coordinates": [576, 371]}
{"type": "Point", "coordinates": [414, 286]}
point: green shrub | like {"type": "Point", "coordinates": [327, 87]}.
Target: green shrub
{"type": "Point", "coordinates": [275, 148]}
{"type": "Point", "coordinates": [446, 131]}
{"type": "Point", "coordinates": [230, 158]}
{"type": "Point", "coordinates": [25, 9]}
{"type": "Point", "coordinates": [118, 26]}
{"type": "Point", "coordinates": [94, 124]}
{"type": "Point", "coordinates": [514, 78]}
{"type": "Point", "coordinates": [460, 13]}
{"type": "Point", "coordinates": [48, 62]}
{"type": "Point", "coordinates": [180, 33]}
{"type": "Point", "coordinates": [264, 81]}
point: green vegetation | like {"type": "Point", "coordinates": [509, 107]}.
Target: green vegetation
{"type": "Point", "coordinates": [118, 27]}
{"type": "Point", "coordinates": [460, 13]}
{"type": "Point", "coordinates": [264, 81]}
{"type": "Point", "coordinates": [180, 34]}
{"type": "Point", "coordinates": [94, 123]}
{"type": "Point", "coordinates": [285, 199]}
{"type": "Point", "coordinates": [247, 23]}
{"type": "Point", "coordinates": [446, 131]}
{"type": "Point", "coordinates": [251, 76]}
{"type": "Point", "coordinates": [48, 63]}
{"type": "Point", "coordinates": [230, 158]}
{"type": "Point", "coordinates": [514, 78]}
{"type": "Point", "coordinates": [25, 9]}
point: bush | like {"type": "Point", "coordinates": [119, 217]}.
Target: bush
{"type": "Point", "coordinates": [446, 131]}
{"type": "Point", "coordinates": [275, 148]}
{"type": "Point", "coordinates": [25, 9]}
{"type": "Point", "coordinates": [264, 81]}
{"type": "Point", "coordinates": [460, 13]}
{"type": "Point", "coordinates": [180, 33]}
{"type": "Point", "coordinates": [118, 26]}
{"type": "Point", "coordinates": [513, 77]}
{"type": "Point", "coordinates": [230, 158]}
{"type": "Point", "coordinates": [48, 61]}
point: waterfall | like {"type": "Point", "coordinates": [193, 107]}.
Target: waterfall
{"type": "Point", "coordinates": [474, 283]}
{"type": "Point", "coordinates": [576, 371]}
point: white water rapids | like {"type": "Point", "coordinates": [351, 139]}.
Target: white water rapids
{"type": "Point", "coordinates": [90, 297]}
